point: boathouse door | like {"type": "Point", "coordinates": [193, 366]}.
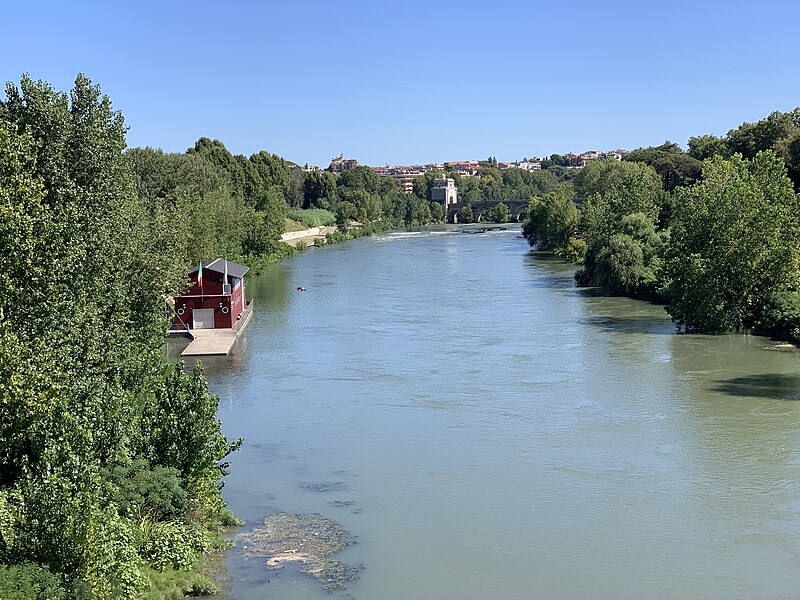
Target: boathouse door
{"type": "Point", "coordinates": [203, 318]}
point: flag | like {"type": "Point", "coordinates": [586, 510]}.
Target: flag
{"type": "Point", "coordinates": [200, 275]}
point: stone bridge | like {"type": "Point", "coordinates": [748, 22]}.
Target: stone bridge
{"type": "Point", "coordinates": [517, 208]}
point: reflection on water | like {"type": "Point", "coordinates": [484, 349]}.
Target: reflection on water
{"type": "Point", "coordinates": [485, 429]}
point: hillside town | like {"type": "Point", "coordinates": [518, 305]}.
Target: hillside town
{"type": "Point", "coordinates": [470, 168]}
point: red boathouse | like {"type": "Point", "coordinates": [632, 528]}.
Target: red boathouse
{"type": "Point", "coordinates": [216, 298]}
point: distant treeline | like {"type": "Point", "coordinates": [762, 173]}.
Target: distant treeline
{"type": "Point", "coordinates": [207, 202]}
{"type": "Point", "coordinates": [713, 233]}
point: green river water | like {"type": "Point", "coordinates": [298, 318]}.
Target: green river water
{"type": "Point", "coordinates": [486, 430]}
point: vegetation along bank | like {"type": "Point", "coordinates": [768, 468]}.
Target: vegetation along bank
{"type": "Point", "coordinates": [112, 460]}
{"type": "Point", "coordinates": [713, 233]}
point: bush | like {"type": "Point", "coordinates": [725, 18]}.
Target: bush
{"type": "Point", "coordinates": [170, 544]}
{"type": "Point", "coordinates": [780, 317]}
{"type": "Point", "coordinates": [30, 582]}
{"type": "Point", "coordinates": [110, 562]}
{"type": "Point", "coordinates": [140, 489]}
{"type": "Point", "coordinates": [179, 429]}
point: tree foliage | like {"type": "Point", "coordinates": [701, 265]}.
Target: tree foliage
{"type": "Point", "coordinates": [735, 243]}
{"type": "Point", "coordinates": [552, 220]}
{"type": "Point", "coordinates": [82, 285]}
{"type": "Point", "coordinates": [675, 167]}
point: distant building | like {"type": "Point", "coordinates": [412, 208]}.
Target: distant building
{"type": "Point", "coordinates": [340, 163]}
{"type": "Point", "coordinates": [405, 176]}
{"type": "Point", "coordinates": [444, 190]}
{"type": "Point", "coordinates": [463, 167]}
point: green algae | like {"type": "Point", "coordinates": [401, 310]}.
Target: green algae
{"type": "Point", "coordinates": [306, 540]}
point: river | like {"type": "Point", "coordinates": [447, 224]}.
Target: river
{"type": "Point", "coordinates": [487, 430]}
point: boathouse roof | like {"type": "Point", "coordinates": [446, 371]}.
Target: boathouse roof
{"type": "Point", "coordinates": [218, 266]}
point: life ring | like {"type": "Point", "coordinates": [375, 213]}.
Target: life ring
{"type": "Point", "coordinates": [180, 311]}
{"type": "Point", "coordinates": [224, 310]}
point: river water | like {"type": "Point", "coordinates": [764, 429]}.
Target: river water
{"type": "Point", "coordinates": [487, 430]}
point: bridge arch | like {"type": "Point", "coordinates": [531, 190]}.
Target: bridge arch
{"type": "Point", "coordinates": [516, 208]}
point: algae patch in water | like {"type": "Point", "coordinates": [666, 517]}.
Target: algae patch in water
{"type": "Point", "coordinates": [306, 540]}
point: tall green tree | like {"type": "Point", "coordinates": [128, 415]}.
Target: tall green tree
{"type": "Point", "coordinates": [552, 220]}
{"type": "Point", "coordinates": [735, 243]}
{"type": "Point", "coordinates": [627, 187]}
{"type": "Point", "coordinates": [675, 167]}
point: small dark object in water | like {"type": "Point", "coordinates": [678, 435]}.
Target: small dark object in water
{"type": "Point", "coordinates": [325, 486]}
{"type": "Point", "coordinates": [301, 289]}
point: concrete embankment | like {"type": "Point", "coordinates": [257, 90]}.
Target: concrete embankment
{"type": "Point", "coordinates": [307, 235]}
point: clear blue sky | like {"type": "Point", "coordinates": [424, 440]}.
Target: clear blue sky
{"type": "Point", "coordinates": [414, 82]}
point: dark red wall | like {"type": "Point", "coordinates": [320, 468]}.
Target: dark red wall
{"type": "Point", "coordinates": [211, 297]}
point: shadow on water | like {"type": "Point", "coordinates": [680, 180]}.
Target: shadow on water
{"type": "Point", "coordinates": [591, 292]}
{"type": "Point", "coordinates": [552, 272]}
{"type": "Point", "coordinates": [771, 385]}
{"type": "Point", "coordinates": [630, 324]}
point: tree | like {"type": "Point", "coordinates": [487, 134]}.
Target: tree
{"type": "Point", "coordinates": [620, 266]}
{"type": "Point", "coordinates": [497, 214]}
{"type": "Point", "coordinates": [467, 214]}
{"type": "Point", "coordinates": [552, 220]}
{"type": "Point", "coordinates": [268, 225]}
{"type": "Point", "coordinates": [273, 170]}
{"type": "Point", "coordinates": [750, 138]}
{"type": "Point", "coordinates": [319, 188]}
{"type": "Point", "coordinates": [359, 178]}
{"type": "Point", "coordinates": [706, 146]}
{"type": "Point", "coordinates": [735, 243]}
{"type": "Point", "coordinates": [789, 149]}
{"type": "Point", "coordinates": [419, 187]}
{"type": "Point", "coordinates": [674, 166]}
{"type": "Point", "coordinates": [541, 182]}
{"type": "Point", "coordinates": [223, 161]}
{"type": "Point", "coordinates": [437, 212]}
{"type": "Point", "coordinates": [469, 191]}
{"type": "Point", "coordinates": [346, 211]}
{"type": "Point", "coordinates": [627, 187]}
{"type": "Point", "coordinates": [296, 192]}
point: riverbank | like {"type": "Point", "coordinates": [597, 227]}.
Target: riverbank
{"type": "Point", "coordinates": [309, 236]}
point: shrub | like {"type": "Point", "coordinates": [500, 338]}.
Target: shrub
{"type": "Point", "coordinates": [170, 544]}
{"type": "Point", "coordinates": [30, 582]}
{"type": "Point", "coordinates": [780, 317]}
{"type": "Point", "coordinates": [141, 489]}
{"type": "Point", "coordinates": [110, 563]}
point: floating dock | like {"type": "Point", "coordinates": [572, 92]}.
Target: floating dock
{"type": "Point", "coordinates": [217, 342]}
